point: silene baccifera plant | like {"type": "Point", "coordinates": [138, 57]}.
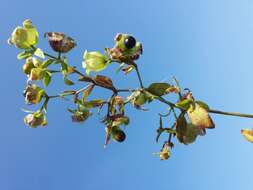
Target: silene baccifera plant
{"type": "Point", "coordinates": [191, 117]}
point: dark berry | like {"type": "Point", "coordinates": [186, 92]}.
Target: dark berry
{"type": "Point", "coordinates": [130, 42]}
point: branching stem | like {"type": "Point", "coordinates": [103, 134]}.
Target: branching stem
{"type": "Point", "coordinates": [116, 91]}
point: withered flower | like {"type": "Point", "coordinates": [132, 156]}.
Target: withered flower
{"type": "Point", "coordinates": [33, 94]}
{"type": "Point", "coordinates": [29, 65]}
{"type": "Point", "coordinates": [80, 116]}
{"type": "Point", "coordinates": [35, 119]}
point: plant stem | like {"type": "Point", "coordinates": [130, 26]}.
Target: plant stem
{"type": "Point", "coordinates": [51, 56]}
{"type": "Point", "coordinates": [231, 113]}
{"type": "Point", "coordinates": [138, 74]}
{"type": "Point", "coordinates": [161, 99]}
{"type": "Point", "coordinates": [210, 110]}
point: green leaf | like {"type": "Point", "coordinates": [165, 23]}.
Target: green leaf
{"type": "Point", "coordinates": [39, 53]}
{"type": "Point", "coordinates": [46, 63]}
{"type": "Point", "coordinates": [191, 134]}
{"type": "Point", "coordinates": [158, 89]}
{"type": "Point", "coordinates": [68, 82]}
{"type": "Point", "coordinates": [47, 78]}
{"type": "Point", "coordinates": [202, 104]}
{"type": "Point", "coordinates": [64, 67]}
{"type": "Point", "coordinates": [24, 55]}
{"type": "Point", "coordinates": [184, 104]}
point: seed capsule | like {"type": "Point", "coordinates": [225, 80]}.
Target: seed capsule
{"type": "Point", "coordinates": [60, 42]}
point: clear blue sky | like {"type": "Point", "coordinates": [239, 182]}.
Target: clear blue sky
{"type": "Point", "coordinates": [207, 45]}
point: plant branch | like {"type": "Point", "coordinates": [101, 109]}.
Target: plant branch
{"type": "Point", "coordinates": [159, 98]}
{"type": "Point", "coordinates": [138, 74]}
{"type": "Point", "coordinates": [210, 110]}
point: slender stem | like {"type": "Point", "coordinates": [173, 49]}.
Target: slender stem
{"type": "Point", "coordinates": [55, 96]}
{"type": "Point", "coordinates": [231, 113]}
{"type": "Point", "coordinates": [54, 71]}
{"type": "Point", "coordinates": [210, 110]}
{"type": "Point", "coordinates": [127, 90]}
{"type": "Point", "coordinates": [51, 56]}
{"type": "Point", "coordinates": [59, 55]}
{"type": "Point", "coordinates": [138, 74]}
{"type": "Point", "coordinates": [161, 99]}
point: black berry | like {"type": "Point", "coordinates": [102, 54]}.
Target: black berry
{"type": "Point", "coordinates": [130, 42]}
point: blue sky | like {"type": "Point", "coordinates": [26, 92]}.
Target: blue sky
{"type": "Point", "coordinates": [207, 45]}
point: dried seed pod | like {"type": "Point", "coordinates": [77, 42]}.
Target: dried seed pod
{"type": "Point", "coordinates": [60, 42]}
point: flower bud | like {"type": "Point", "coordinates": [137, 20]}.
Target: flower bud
{"type": "Point", "coordinates": [28, 66]}
{"type": "Point", "coordinates": [35, 119]}
{"type": "Point", "coordinates": [33, 94]}
{"type": "Point", "coordinates": [94, 61]}
{"type": "Point", "coordinates": [24, 37]}
{"type": "Point", "coordinates": [37, 74]}
{"type": "Point", "coordinates": [60, 42]}
{"type": "Point", "coordinates": [118, 135]}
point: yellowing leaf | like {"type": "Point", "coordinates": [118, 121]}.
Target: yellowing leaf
{"type": "Point", "coordinates": [247, 134]}
{"type": "Point", "coordinates": [199, 116]}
